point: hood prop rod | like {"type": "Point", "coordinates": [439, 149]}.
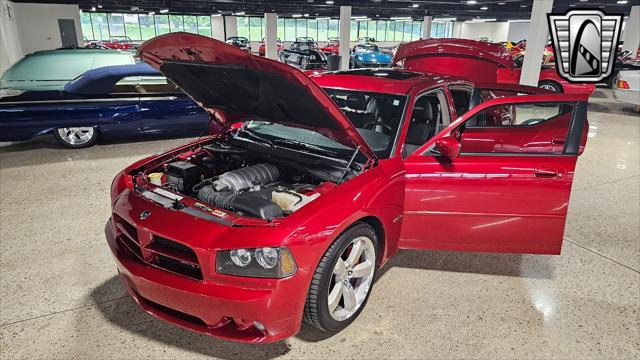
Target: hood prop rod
{"type": "Point", "coordinates": [346, 169]}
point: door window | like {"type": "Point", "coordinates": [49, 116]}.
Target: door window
{"type": "Point", "coordinates": [518, 128]}
{"type": "Point", "coordinates": [428, 117]}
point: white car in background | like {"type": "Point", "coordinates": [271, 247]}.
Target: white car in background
{"type": "Point", "coordinates": [626, 87]}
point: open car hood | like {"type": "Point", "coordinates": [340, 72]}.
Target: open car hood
{"type": "Point", "coordinates": [230, 82]}
{"type": "Point", "coordinates": [469, 59]}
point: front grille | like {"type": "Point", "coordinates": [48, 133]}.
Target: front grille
{"type": "Point", "coordinates": [174, 257]}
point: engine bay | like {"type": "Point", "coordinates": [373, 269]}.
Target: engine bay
{"type": "Point", "coordinates": [242, 178]}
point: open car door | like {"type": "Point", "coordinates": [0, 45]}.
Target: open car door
{"type": "Point", "coordinates": [498, 179]}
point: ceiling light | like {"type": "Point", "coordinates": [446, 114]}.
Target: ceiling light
{"type": "Point", "coordinates": [445, 19]}
{"type": "Point", "coordinates": [502, 3]}
{"type": "Point", "coordinates": [329, 2]}
{"type": "Point", "coordinates": [471, 2]}
{"type": "Point", "coordinates": [296, 15]}
{"type": "Point", "coordinates": [358, 17]}
{"type": "Point", "coordinates": [100, 6]}
{"type": "Point", "coordinates": [484, 8]}
{"type": "Point", "coordinates": [523, 5]}
{"type": "Point", "coordinates": [518, 20]}
{"type": "Point", "coordinates": [480, 20]}
{"type": "Point", "coordinates": [363, 19]}
{"type": "Point", "coordinates": [239, 13]}
{"type": "Point", "coordinates": [415, 5]}
{"type": "Point", "coordinates": [584, 0]}
{"type": "Point", "coordinates": [323, 18]}
{"type": "Point", "coordinates": [306, 15]}
{"type": "Point", "coordinates": [400, 18]}
{"type": "Point", "coordinates": [621, 2]}
{"type": "Point", "coordinates": [93, 8]}
{"type": "Point", "coordinates": [152, 12]}
{"type": "Point", "coordinates": [164, 11]}
{"type": "Point", "coordinates": [216, 15]}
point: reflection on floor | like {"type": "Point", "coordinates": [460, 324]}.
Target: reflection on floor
{"type": "Point", "coordinates": [60, 298]}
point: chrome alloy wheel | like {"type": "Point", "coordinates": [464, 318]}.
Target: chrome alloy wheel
{"type": "Point", "coordinates": [76, 135]}
{"type": "Point", "coordinates": [351, 279]}
{"type": "Point", "coordinates": [548, 87]}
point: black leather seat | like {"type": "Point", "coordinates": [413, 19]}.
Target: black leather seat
{"type": "Point", "coordinates": [423, 123]}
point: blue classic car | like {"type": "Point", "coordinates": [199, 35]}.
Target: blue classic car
{"type": "Point", "coordinates": [121, 101]}
{"type": "Point", "coordinates": [369, 55]}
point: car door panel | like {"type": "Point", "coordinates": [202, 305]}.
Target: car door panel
{"type": "Point", "coordinates": [499, 201]}
{"type": "Point", "coordinates": [172, 114]}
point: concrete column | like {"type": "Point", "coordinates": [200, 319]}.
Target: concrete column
{"type": "Point", "coordinates": [271, 35]}
{"type": "Point", "coordinates": [631, 34]}
{"type": "Point", "coordinates": [10, 49]}
{"type": "Point", "coordinates": [230, 26]}
{"type": "Point", "coordinates": [536, 40]}
{"type": "Point", "coordinates": [426, 27]}
{"type": "Point", "coordinates": [217, 28]}
{"type": "Point", "coordinates": [345, 30]}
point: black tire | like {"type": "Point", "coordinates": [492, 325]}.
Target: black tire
{"type": "Point", "coordinates": [78, 145]}
{"type": "Point", "coordinates": [304, 63]}
{"type": "Point", "coordinates": [550, 85]}
{"type": "Point", "coordinates": [316, 309]}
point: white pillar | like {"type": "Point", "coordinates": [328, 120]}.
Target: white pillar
{"type": "Point", "coordinates": [536, 40]}
{"type": "Point", "coordinates": [217, 28]}
{"type": "Point", "coordinates": [426, 27]}
{"type": "Point", "coordinates": [10, 49]}
{"type": "Point", "coordinates": [271, 35]}
{"type": "Point", "coordinates": [631, 34]}
{"type": "Point", "coordinates": [345, 30]}
{"type": "Point", "coordinates": [230, 26]}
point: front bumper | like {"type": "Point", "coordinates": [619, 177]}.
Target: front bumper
{"type": "Point", "coordinates": [221, 310]}
{"type": "Point", "coordinates": [626, 96]}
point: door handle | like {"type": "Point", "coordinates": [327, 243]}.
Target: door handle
{"type": "Point", "coordinates": [557, 141]}
{"type": "Point", "coordinates": [546, 173]}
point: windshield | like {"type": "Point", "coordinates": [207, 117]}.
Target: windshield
{"type": "Point", "coordinates": [367, 48]}
{"type": "Point", "coordinates": [376, 116]}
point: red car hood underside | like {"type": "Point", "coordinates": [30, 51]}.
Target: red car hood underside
{"type": "Point", "coordinates": [236, 86]}
{"type": "Point", "coordinates": [469, 59]}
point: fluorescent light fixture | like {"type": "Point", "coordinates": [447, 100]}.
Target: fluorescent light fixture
{"type": "Point", "coordinates": [164, 11]}
{"type": "Point", "coordinates": [216, 15]}
{"type": "Point", "coordinates": [363, 19]}
{"type": "Point", "coordinates": [329, 2]}
{"type": "Point", "coordinates": [296, 15]}
{"type": "Point", "coordinates": [239, 13]}
{"type": "Point", "coordinates": [621, 2]}
{"type": "Point", "coordinates": [445, 19]}
{"type": "Point", "coordinates": [502, 3]}
{"type": "Point", "coordinates": [415, 5]}
{"type": "Point", "coordinates": [93, 8]}
{"type": "Point", "coordinates": [152, 12]}
{"type": "Point", "coordinates": [359, 17]}
{"type": "Point", "coordinates": [306, 15]}
{"type": "Point", "coordinates": [471, 2]}
{"type": "Point", "coordinates": [484, 8]}
{"type": "Point", "coordinates": [400, 18]}
{"type": "Point", "coordinates": [323, 18]}
{"type": "Point", "coordinates": [100, 6]}
{"type": "Point", "coordinates": [480, 20]}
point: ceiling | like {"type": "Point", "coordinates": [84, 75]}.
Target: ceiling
{"type": "Point", "coordinates": [499, 9]}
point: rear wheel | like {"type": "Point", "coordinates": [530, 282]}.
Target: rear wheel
{"type": "Point", "coordinates": [342, 282]}
{"type": "Point", "coordinates": [550, 85]}
{"type": "Point", "coordinates": [76, 137]}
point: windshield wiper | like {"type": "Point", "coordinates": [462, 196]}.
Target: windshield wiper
{"type": "Point", "coordinates": [253, 136]}
{"type": "Point", "coordinates": [305, 146]}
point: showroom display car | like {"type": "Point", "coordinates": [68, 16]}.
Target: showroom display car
{"type": "Point", "coordinates": [313, 183]}
{"type": "Point", "coordinates": [369, 56]}
{"type": "Point", "coordinates": [53, 69]}
{"type": "Point", "coordinates": [304, 54]}
{"type": "Point", "coordinates": [114, 102]}
{"type": "Point", "coordinates": [331, 46]}
{"type": "Point", "coordinates": [240, 42]}
{"type": "Point", "coordinates": [626, 87]}
{"type": "Point", "coordinates": [262, 47]}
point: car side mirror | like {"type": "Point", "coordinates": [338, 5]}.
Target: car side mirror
{"type": "Point", "coordinates": [449, 147]}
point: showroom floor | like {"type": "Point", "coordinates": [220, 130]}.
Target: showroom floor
{"type": "Point", "coordinates": [60, 297]}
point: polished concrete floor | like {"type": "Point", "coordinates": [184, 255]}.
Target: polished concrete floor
{"type": "Point", "coordinates": [60, 297]}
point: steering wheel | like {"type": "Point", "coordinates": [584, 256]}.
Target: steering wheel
{"type": "Point", "coordinates": [376, 123]}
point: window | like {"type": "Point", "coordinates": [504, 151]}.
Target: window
{"type": "Point", "coordinates": [132, 26]}
{"type": "Point", "coordinates": [255, 29]}
{"type": "Point", "coordinates": [281, 29]}
{"type": "Point", "coordinates": [417, 30]}
{"type": "Point", "coordinates": [323, 29]}
{"type": "Point", "coordinates": [116, 25]}
{"type": "Point", "coordinates": [381, 34]}
{"type": "Point", "coordinates": [333, 28]}
{"type": "Point", "coordinates": [518, 128]}
{"type": "Point", "coordinates": [243, 26]}
{"type": "Point", "coordinates": [162, 24]}
{"type": "Point", "coordinates": [190, 24]}
{"type": "Point", "coordinates": [301, 27]}
{"type": "Point", "coordinates": [100, 26]}
{"type": "Point", "coordinates": [391, 30]}
{"type": "Point", "coordinates": [428, 117]}
{"type": "Point", "coordinates": [289, 30]}
{"type": "Point", "coordinates": [204, 25]}
{"type": "Point", "coordinates": [312, 29]}
{"type": "Point", "coordinates": [147, 26]}
{"type": "Point", "coordinates": [176, 23]}
{"type": "Point", "coordinates": [399, 33]}
{"type": "Point", "coordinates": [353, 36]}
{"type": "Point", "coordinates": [85, 21]}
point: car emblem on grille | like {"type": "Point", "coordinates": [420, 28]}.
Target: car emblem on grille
{"type": "Point", "coordinates": [585, 43]}
{"type": "Point", "coordinates": [145, 214]}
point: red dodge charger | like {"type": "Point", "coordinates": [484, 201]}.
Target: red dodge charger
{"type": "Point", "coordinates": [308, 185]}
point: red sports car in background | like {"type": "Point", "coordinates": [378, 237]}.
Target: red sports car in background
{"type": "Point", "coordinates": [332, 46]}
{"type": "Point", "coordinates": [309, 185]}
{"type": "Point", "coordinates": [262, 47]}
{"type": "Point", "coordinates": [118, 43]}
{"type": "Point", "coordinates": [478, 60]}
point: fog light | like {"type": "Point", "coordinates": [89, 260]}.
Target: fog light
{"type": "Point", "coordinates": [258, 325]}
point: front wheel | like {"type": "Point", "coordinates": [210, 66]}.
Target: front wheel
{"type": "Point", "coordinates": [550, 85]}
{"type": "Point", "coordinates": [342, 282]}
{"type": "Point", "coordinates": [76, 137]}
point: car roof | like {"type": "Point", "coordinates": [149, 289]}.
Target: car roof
{"type": "Point", "coordinates": [78, 52]}
{"type": "Point", "coordinates": [102, 80]}
{"type": "Point", "coordinates": [390, 81]}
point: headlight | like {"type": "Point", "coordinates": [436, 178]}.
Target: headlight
{"type": "Point", "coordinates": [265, 262]}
